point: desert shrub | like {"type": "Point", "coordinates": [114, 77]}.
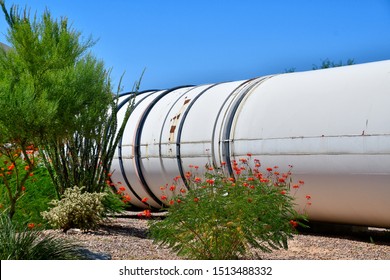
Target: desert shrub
{"type": "Point", "coordinates": [19, 242]}
{"type": "Point", "coordinates": [221, 217]}
{"type": "Point", "coordinates": [76, 209]}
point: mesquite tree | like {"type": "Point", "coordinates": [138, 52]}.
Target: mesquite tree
{"type": "Point", "coordinates": [57, 96]}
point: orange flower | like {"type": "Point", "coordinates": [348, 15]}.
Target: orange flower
{"type": "Point", "coordinates": [281, 180]}
{"type": "Point", "coordinates": [182, 190]}
{"type": "Point", "coordinates": [308, 197]}
{"type": "Point", "coordinates": [122, 188]}
{"type": "Point", "coordinates": [26, 167]}
{"type": "Point", "coordinates": [31, 225]}
{"type": "Point", "coordinates": [301, 182]}
{"type": "Point", "coordinates": [144, 199]}
{"type": "Point", "coordinates": [126, 198]}
{"type": "Point", "coordinates": [11, 167]}
{"type": "Point", "coordinates": [249, 154]}
{"type": "Point", "coordinates": [269, 169]}
{"type": "Point", "coordinates": [23, 188]}
{"type": "Point", "coordinates": [163, 197]}
{"type": "Point", "coordinates": [283, 192]}
{"type": "Point", "coordinates": [293, 223]}
{"type": "Point", "coordinates": [295, 186]}
{"type": "Point", "coordinates": [196, 199]}
{"type": "Point", "coordinates": [197, 180]}
{"type": "Point", "coordinates": [147, 213]}
{"type": "Point", "coordinates": [210, 181]}
{"type": "Point", "coordinates": [176, 178]}
{"type": "Point", "coordinates": [172, 188]}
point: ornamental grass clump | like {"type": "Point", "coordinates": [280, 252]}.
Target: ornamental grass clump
{"type": "Point", "coordinates": [76, 209]}
{"type": "Point", "coordinates": [26, 243]}
{"type": "Point", "coordinates": [221, 217]}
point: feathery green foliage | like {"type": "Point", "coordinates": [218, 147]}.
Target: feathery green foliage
{"type": "Point", "coordinates": [59, 97]}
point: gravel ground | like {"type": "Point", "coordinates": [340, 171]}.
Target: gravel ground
{"type": "Point", "coordinates": [125, 238]}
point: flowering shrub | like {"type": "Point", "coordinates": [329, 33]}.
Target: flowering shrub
{"type": "Point", "coordinates": [17, 166]}
{"type": "Point", "coordinates": [36, 193]}
{"type": "Point", "coordinates": [221, 217]}
{"type": "Point", "coordinates": [76, 210]}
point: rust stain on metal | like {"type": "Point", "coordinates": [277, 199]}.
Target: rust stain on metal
{"type": "Point", "coordinates": [175, 120]}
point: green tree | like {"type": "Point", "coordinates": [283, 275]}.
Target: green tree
{"type": "Point", "coordinates": [330, 64]}
{"type": "Point", "coordinates": [324, 64]}
{"type": "Point", "coordinates": [58, 96]}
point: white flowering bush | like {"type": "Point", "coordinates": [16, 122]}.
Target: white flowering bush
{"type": "Point", "coordinates": [76, 209]}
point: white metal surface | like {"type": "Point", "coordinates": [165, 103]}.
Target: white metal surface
{"type": "Point", "coordinates": [332, 125]}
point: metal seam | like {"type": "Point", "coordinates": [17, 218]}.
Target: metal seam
{"type": "Point", "coordinates": [179, 131]}
{"type": "Point", "coordinates": [228, 124]}
{"type": "Point", "coordinates": [121, 165]}
{"type": "Point", "coordinates": [137, 150]}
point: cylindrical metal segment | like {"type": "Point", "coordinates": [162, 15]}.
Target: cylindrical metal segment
{"type": "Point", "coordinates": [332, 125]}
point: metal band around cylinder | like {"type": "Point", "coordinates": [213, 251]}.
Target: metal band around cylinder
{"type": "Point", "coordinates": [179, 131]}
{"type": "Point", "coordinates": [121, 165]}
{"type": "Point", "coordinates": [137, 142]}
{"type": "Point", "coordinates": [226, 153]}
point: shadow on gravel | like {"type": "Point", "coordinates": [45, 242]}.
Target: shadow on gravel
{"type": "Point", "coordinates": [379, 236]}
{"type": "Point", "coordinates": [125, 230]}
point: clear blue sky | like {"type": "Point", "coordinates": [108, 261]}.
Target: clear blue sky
{"type": "Point", "coordinates": [207, 41]}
